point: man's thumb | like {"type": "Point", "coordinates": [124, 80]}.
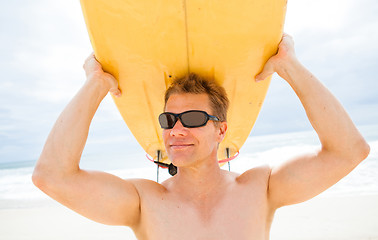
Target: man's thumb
{"type": "Point", "coordinates": [115, 92]}
{"type": "Point", "coordinates": [266, 72]}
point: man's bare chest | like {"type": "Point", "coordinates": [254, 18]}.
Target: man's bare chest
{"type": "Point", "coordinates": [232, 216]}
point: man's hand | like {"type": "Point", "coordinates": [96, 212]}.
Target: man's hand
{"type": "Point", "coordinates": [94, 72]}
{"type": "Point", "coordinates": [279, 62]}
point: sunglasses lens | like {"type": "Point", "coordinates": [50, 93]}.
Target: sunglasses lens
{"type": "Point", "coordinates": [167, 120]}
{"type": "Point", "coordinates": [194, 119]}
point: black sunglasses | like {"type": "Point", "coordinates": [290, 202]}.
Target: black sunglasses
{"type": "Point", "coordinates": [189, 119]}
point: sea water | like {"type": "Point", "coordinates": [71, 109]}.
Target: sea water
{"type": "Point", "coordinates": [17, 190]}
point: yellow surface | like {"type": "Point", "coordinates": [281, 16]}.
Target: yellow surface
{"type": "Point", "coordinates": [146, 44]}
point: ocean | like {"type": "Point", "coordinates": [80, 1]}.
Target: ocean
{"type": "Point", "coordinates": [17, 190]}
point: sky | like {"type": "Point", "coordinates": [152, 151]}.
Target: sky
{"type": "Point", "coordinates": [44, 44]}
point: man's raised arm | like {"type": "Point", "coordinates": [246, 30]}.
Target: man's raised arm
{"type": "Point", "coordinates": [97, 195]}
{"type": "Point", "coordinates": [343, 147]}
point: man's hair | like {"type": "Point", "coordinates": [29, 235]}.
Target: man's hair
{"type": "Point", "coordinates": [192, 83]}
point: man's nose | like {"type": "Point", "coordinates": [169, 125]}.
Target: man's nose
{"type": "Point", "coordinates": [178, 129]}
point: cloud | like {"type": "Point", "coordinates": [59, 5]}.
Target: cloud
{"type": "Point", "coordinates": [336, 42]}
{"type": "Point", "coordinates": [321, 15]}
{"type": "Point", "coordinates": [44, 44]}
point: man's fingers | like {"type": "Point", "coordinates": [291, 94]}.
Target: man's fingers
{"type": "Point", "coordinates": [91, 56]}
{"type": "Point", "coordinates": [91, 64]}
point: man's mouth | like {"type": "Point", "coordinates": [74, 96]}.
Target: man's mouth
{"type": "Point", "coordinates": [179, 146]}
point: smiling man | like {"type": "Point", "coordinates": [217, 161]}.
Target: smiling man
{"type": "Point", "coordinates": [201, 201]}
{"type": "Point", "coordinates": [187, 136]}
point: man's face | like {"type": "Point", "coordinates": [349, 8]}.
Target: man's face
{"type": "Point", "coordinates": [190, 146]}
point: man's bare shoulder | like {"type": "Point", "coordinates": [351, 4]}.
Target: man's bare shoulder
{"type": "Point", "coordinates": [147, 186]}
{"type": "Point", "coordinates": [258, 175]}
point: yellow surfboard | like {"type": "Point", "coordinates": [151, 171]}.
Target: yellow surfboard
{"type": "Point", "coordinates": [145, 44]}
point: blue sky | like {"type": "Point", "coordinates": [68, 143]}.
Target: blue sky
{"type": "Point", "coordinates": [44, 43]}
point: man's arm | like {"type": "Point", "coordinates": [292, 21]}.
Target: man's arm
{"type": "Point", "coordinates": [342, 146]}
{"type": "Point", "coordinates": [97, 195]}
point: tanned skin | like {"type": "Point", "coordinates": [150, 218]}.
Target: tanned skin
{"type": "Point", "coordinates": [201, 201]}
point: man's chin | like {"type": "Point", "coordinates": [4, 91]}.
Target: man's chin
{"type": "Point", "coordinates": [179, 160]}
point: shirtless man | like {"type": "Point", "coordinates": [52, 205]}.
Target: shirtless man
{"type": "Point", "coordinates": [201, 201]}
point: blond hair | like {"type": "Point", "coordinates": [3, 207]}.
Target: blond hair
{"type": "Point", "coordinates": [195, 84]}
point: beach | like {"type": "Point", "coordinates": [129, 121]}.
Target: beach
{"type": "Point", "coordinates": [328, 218]}
{"type": "Point", "coordinates": [322, 218]}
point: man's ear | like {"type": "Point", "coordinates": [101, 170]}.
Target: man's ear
{"type": "Point", "coordinates": [222, 131]}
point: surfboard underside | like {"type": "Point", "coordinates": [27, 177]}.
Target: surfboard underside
{"type": "Point", "coordinates": [146, 44]}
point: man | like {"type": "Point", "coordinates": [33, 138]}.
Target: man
{"type": "Point", "coordinates": [201, 201]}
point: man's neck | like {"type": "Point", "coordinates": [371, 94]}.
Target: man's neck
{"type": "Point", "coordinates": [199, 181]}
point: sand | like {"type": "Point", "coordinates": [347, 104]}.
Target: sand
{"type": "Point", "coordinates": [336, 218]}
{"type": "Point", "coordinates": [328, 218]}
